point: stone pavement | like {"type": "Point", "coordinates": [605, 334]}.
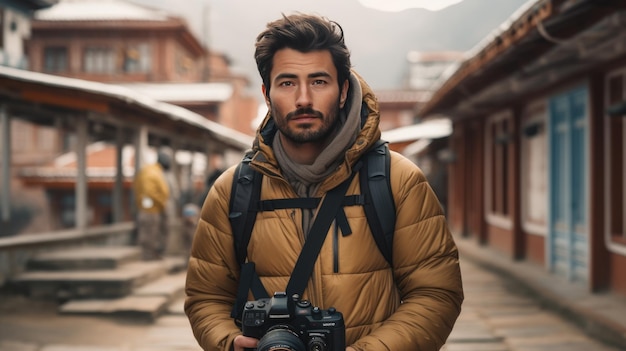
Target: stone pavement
{"type": "Point", "coordinates": [601, 316]}
{"type": "Point", "coordinates": [501, 312]}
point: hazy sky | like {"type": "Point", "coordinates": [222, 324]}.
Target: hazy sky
{"type": "Point", "coordinates": [378, 40]}
{"type": "Point", "coordinates": [399, 5]}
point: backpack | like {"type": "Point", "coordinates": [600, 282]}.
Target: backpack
{"type": "Point", "coordinates": [375, 197]}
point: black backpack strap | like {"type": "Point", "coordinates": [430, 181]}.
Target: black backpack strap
{"type": "Point", "coordinates": [329, 209]}
{"type": "Point", "coordinates": [379, 206]}
{"type": "Point", "coordinates": [246, 190]}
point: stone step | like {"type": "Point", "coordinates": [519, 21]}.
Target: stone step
{"type": "Point", "coordinates": [85, 258]}
{"type": "Point", "coordinates": [137, 307]}
{"type": "Point", "coordinates": [73, 284]}
{"type": "Point", "coordinates": [147, 302]}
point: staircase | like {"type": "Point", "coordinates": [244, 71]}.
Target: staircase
{"type": "Point", "coordinates": [108, 281]}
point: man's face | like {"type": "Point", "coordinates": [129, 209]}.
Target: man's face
{"type": "Point", "coordinates": [304, 97]}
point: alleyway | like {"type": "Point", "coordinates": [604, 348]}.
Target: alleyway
{"type": "Point", "coordinates": [499, 314]}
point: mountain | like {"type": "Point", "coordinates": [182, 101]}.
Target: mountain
{"type": "Point", "coordinates": [379, 41]}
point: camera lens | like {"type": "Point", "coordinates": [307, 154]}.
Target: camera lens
{"type": "Point", "coordinates": [317, 344]}
{"type": "Point", "coordinates": [280, 339]}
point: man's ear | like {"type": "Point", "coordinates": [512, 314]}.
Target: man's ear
{"type": "Point", "coordinates": [344, 93]}
{"type": "Point", "coordinates": [265, 96]}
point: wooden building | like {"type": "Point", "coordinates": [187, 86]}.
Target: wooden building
{"type": "Point", "coordinates": [538, 166]}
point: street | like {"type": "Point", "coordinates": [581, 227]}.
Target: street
{"type": "Point", "coordinates": [498, 315]}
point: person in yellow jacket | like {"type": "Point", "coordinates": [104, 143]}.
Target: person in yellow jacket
{"type": "Point", "coordinates": [151, 196]}
{"type": "Point", "coordinates": [322, 118]}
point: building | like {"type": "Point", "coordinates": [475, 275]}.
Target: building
{"type": "Point", "coordinates": [15, 29]}
{"type": "Point", "coordinates": [119, 42]}
{"type": "Point", "coordinates": [426, 68]}
{"type": "Point", "coordinates": [537, 167]}
{"type": "Point", "coordinates": [123, 46]}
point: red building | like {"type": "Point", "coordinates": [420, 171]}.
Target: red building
{"type": "Point", "coordinates": [537, 166]}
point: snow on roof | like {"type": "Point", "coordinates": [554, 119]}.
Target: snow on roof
{"type": "Point", "coordinates": [99, 10]}
{"type": "Point", "coordinates": [184, 92]}
{"type": "Point", "coordinates": [429, 129]}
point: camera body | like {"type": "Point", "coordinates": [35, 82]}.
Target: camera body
{"type": "Point", "coordinates": [283, 323]}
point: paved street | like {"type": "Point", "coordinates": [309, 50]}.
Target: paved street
{"type": "Point", "coordinates": [498, 315]}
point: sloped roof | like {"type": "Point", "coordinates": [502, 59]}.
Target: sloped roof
{"type": "Point", "coordinates": [430, 129]}
{"type": "Point", "coordinates": [127, 97]}
{"type": "Point", "coordinates": [402, 96]}
{"type": "Point", "coordinates": [544, 39]}
{"type": "Point", "coordinates": [100, 10]}
{"type": "Point", "coordinates": [184, 92]}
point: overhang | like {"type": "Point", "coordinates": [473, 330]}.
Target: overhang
{"type": "Point", "coordinates": [543, 43]}
{"type": "Point", "coordinates": [42, 98]}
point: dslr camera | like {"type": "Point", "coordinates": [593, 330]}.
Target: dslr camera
{"type": "Point", "coordinates": [291, 324]}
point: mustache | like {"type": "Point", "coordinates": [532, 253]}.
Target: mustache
{"type": "Point", "coordinates": [304, 111]}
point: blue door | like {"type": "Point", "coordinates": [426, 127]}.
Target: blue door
{"type": "Point", "coordinates": [568, 242]}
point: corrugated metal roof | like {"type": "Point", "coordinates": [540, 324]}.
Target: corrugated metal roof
{"type": "Point", "coordinates": [99, 10]}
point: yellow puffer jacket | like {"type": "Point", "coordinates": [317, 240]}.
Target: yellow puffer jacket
{"type": "Point", "coordinates": [150, 183]}
{"type": "Point", "coordinates": [410, 307]}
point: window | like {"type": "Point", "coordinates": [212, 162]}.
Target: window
{"type": "Point", "coordinates": [534, 170]}
{"type": "Point", "coordinates": [137, 59]}
{"type": "Point", "coordinates": [499, 136]}
{"type": "Point", "coordinates": [99, 60]}
{"type": "Point", "coordinates": [55, 59]}
{"type": "Point", "coordinates": [615, 144]}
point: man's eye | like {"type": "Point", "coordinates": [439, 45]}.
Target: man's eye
{"type": "Point", "coordinates": [286, 84]}
{"type": "Point", "coordinates": [319, 82]}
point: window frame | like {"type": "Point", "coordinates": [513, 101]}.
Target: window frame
{"type": "Point", "coordinates": [499, 129]}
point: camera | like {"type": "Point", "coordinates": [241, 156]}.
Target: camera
{"type": "Point", "coordinates": [292, 324]}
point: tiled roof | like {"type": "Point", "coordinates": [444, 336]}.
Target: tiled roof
{"type": "Point", "coordinates": [99, 10]}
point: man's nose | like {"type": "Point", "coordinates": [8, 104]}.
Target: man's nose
{"type": "Point", "coordinates": [303, 98]}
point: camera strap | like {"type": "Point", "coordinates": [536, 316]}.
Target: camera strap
{"type": "Point", "coordinates": [329, 209]}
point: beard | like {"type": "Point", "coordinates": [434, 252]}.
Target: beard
{"type": "Point", "coordinates": [305, 132]}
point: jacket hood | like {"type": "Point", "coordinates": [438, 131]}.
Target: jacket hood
{"type": "Point", "coordinates": [264, 159]}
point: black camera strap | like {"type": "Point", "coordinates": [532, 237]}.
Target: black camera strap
{"type": "Point", "coordinates": [329, 209]}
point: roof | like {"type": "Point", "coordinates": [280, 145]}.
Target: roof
{"type": "Point", "coordinates": [128, 97]}
{"type": "Point", "coordinates": [100, 10]}
{"type": "Point", "coordinates": [184, 92]}
{"type": "Point", "coordinates": [28, 5]}
{"type": "Point", "coordinates": [401, 96]}
{"type": "Point", "coordinates": [430, 129]}
{"type": "Point", "coordinates": [545, 41]}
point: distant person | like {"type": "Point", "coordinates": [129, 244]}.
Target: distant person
{"type": "Point", "coordinates": [190, 216]}
{"type": "Point", "coordinates": [210, 179]}
{"type": "Point", "coordinates": [151, 197]}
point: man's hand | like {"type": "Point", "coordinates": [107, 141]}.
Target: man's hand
{"type": "Point", "coordinates": [350, 349]}
{"type": "Point", "coordinates": [242, 343]}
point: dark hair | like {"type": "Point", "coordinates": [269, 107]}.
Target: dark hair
{"type": "Point", "coordinates": [304, 33]}
{"type": "Point", "coordinates": [164, 160]}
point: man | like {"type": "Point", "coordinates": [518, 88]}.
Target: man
{"type": "Point", "coordinates": [151, 198]}
{"type": "Point", "coordinates": [322, 118]}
